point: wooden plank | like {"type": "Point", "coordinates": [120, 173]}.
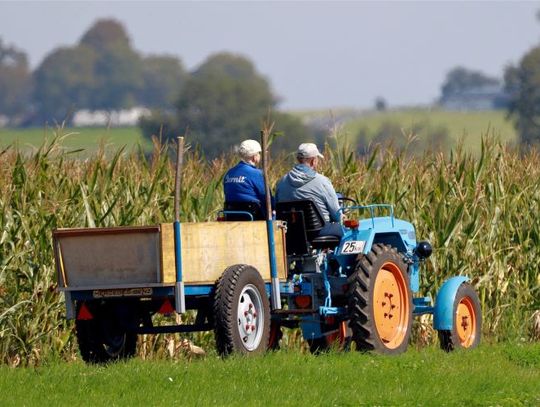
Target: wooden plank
{"type": "Point", "coordinates": [209, 248]}
{"type": "Point", "coordinates": [119, 230]}
{"type": "Point", "coordinates": [168, 264]}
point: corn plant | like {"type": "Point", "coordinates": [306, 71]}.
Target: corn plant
{"type": "Point", "coordinates": [478, 211]}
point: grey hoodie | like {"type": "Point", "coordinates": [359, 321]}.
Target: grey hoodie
{"type": "Point", "coordinates": [302, 182]}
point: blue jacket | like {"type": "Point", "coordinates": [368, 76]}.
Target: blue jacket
{"type": "Point", "coordinates": [301, 183]}
{"type": "Point", "coordinates": [244, 183]}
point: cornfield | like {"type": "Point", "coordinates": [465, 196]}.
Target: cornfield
{"type": "Point", "coordinates": [479, 212]}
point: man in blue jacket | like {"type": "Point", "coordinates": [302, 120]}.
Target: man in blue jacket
{"type": "Point", "coordinates": [244, 183]}
{"type": "Point", "coordinates": [304, 182]}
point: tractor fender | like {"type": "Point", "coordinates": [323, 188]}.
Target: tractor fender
{"type": "Point", "coordinates": [443, 314]}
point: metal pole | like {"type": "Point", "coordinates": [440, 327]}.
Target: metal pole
{"type": "Point", "coordinates": [178, 177]}
{"type": "Point", "coordinates": [275, 294]}
{"type": "Point", "coordinates": [179, 295]}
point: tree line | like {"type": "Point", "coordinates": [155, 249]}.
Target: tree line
{"type": "Point", "coordinates": [221, 101]}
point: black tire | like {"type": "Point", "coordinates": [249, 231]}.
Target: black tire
{"type": "Point", "coordinates": [103, 339]}
{"type": "Point", "coordinates": [465, 333]}
{"type": "Point", "coordinates": [371, 332]}
{"type": "Point", "coordinates": [237, 328]}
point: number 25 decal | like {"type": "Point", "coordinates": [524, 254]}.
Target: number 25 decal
{"type": "Point", "coordinates": [353, 247]}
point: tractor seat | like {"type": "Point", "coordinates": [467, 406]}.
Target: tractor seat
{"type": "Point", "coordinates": [329, 236]}
{"type": "Point", "coordinates": [306, 228]}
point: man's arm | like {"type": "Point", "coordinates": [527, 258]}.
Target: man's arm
{"type": "Point", "coordinates": [258, 183]}
{"type": "Point", "coordinates": [332, 202]}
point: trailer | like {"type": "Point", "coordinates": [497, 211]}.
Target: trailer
{"type": "Point", "coordinates": [247, 280]}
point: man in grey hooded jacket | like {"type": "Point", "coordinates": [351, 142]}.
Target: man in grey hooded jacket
{"type": "Point", "coordinates": [303, 182]}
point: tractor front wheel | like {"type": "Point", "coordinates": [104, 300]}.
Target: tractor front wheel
{"type": "Point", "coordinates": [467, 321]}
{"type": "Point", "coordinates": [241, 312]}
{"type": "Point", "coordinates": [380, 302]}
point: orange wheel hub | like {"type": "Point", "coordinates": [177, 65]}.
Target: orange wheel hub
{"type": "Point", "coordinates": [466, 322]}
{"type": "Point", "coordinates": [391, 305]}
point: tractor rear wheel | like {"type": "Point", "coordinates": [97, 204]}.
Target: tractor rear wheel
{"type": "Point", "coordinates": [380, 302]}
{"type": "Point", "coordinates": [467, 322]}
{"type": "Point", "coordinates": [104, 338]}
{"type": "Point", "coordinates": [241, 312]}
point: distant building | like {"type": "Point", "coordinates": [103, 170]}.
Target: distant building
{"type": "Point", "coordinates": [100, 118]}
{"type": "Point", "coordinates": [488, 97]}
{"type": "Point", "coordinates": [4, 120]}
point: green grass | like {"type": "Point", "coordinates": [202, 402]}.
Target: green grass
{"type": "Point", "coordinates": [466, 127]}
{"type": "Point", "coordinates": [85, 138]}
{"type": "Point", "coordinates": [504, 374]}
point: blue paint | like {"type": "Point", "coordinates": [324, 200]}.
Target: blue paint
{"type": "Point", "coordinates": [371, 209]}
{"type": "Point", "coordinates": [422, 305]}
{"type": "Point", "coordinates": [178, 251]}
{"type": "Point", "coordinates": [272, 248]}
{"type": "Point", "coordinates": [414, 279]}
{"type": "Point", "coordinates": [443, 316]}
{"type": "Point", "coordinates": [311, 329]}
{"type": "Point", "coordinates": [198, 289]}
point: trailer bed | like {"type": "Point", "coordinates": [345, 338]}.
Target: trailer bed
{"type": "Point", "coordinates": [127, 257]}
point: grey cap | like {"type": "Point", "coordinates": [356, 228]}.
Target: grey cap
{"type": "Point", "coordinates": [248, 148]}
{"type": "Point", "coordinates": [308, 150]}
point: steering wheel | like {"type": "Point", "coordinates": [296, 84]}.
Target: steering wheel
{"type": "Point", "coordinates": [342, 199]}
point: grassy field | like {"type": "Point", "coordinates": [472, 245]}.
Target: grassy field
{"type": "Point", "coordinates": [502, 375]}
{"type": "Point", "coordinates": [463, 128]}
{"type": "Point", "coordinates": [88, 139]}
{"type": "Point", "coordinates": [467, 125]}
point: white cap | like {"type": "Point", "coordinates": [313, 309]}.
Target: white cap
{"type": "Point", "coordinates": [308, 150]}
{"type": "Point", "coordinates": [248, 148]}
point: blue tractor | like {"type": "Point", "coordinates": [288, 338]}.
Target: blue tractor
{"type": "Point", "coordinates": [356, 281]}
{"type": "Point", "coordinates": [359, 281]}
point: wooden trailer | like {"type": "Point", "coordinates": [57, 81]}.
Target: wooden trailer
{"type": "Point", "coordinates": [144, 256]}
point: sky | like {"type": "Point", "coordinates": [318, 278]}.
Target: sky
{"type": "Point", "coordinates": [316, 55]}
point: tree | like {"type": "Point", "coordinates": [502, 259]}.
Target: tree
{"type": "Point", "coordinates": [223, 102]}
{"type": "Point", "coordinates": [163, 77]}
{"type": "Point", "coordinates": [119, 79]}
{"type": "Point", "coordinates": [105, 35]}
{"type": "Point", "coordinates": [101, 72]}
{"type": "Point", "coordinates": [291, 132]}
{"type": "Point", "coordinates": [65, 81]}
{"type": "Point", "coordinates": [15, 81]}
{"type": "Point", "coordinates": [522, 82]}
{"type": "Point", "coordinates": [117, 68]}
{"type": "Point", "coordinates": [380, 104]}
{"type": "Point", "coordinates": [461, 79]}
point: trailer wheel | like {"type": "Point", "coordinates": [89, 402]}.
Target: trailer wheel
{"type": "Point", "coordinates": [380, 302]}
{"type": "Point", "coordinates": [241, 312]}
{"type": "Point", "coordinates": [102, 339]}
{"type": "Point", "coordinates": [467, 322]}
